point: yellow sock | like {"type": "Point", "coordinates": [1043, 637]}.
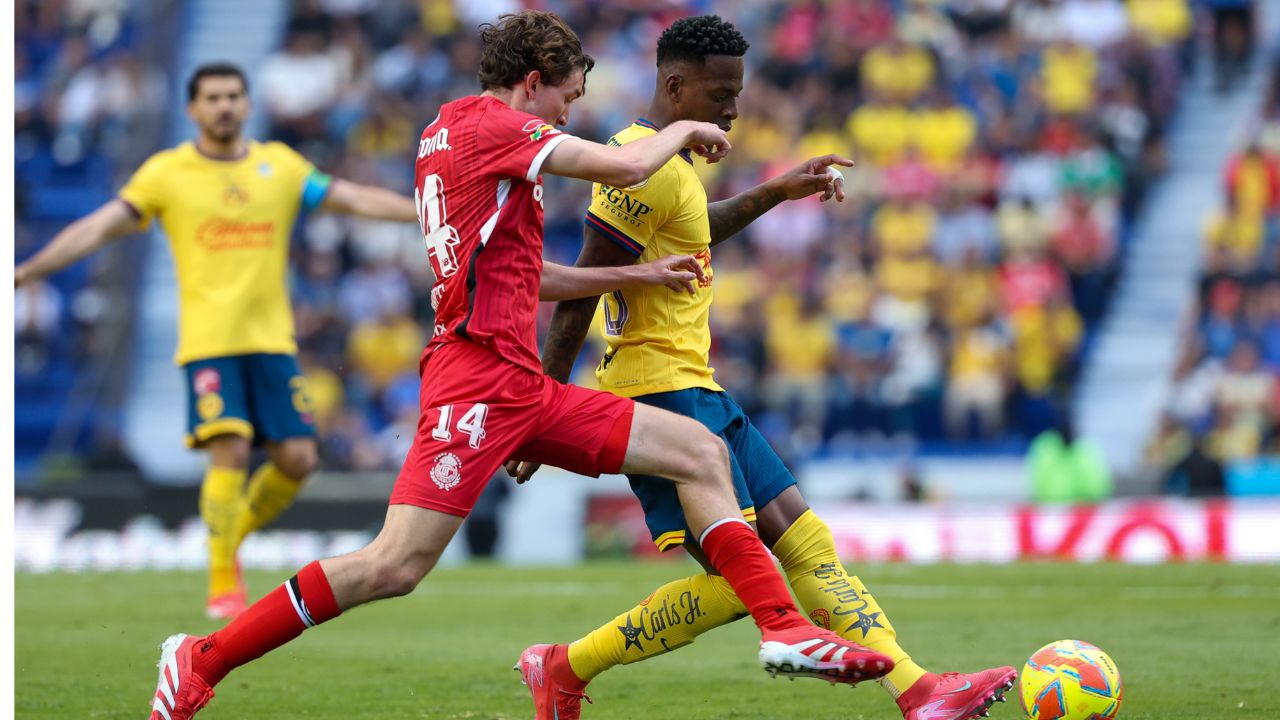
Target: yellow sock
{"type": "Point", "coordinates": [838, 601]}
{"type": "Point", "coordinates": [270, 493]}
{"type": "Point", "coordinates": [671, 617]}
{"type": "Point", "coordinates": [221, 498]}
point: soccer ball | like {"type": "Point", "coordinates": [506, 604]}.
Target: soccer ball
{"type": "Point", "coordinates": [1070, 680]}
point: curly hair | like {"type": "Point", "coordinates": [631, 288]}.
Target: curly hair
{"type": "Point", "coordinates": [531, 40]}
{"type": "Point", "coordinates": [692, 39]}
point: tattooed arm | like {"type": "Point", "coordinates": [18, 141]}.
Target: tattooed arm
{"type": "Point", "coordinates": [729, 217]}
{"type": "Point", "coordinates": [572, 318]}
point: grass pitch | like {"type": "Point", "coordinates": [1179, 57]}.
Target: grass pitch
{"type": "Point", "coordinates": [1191, 641]}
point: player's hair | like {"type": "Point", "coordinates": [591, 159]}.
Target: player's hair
{"type": "Point", "coordinates": [214, 69]}
{"type": "Point", "coordinates": [531, 40]}
{"type": "Point", "coordinates": [692, 39]}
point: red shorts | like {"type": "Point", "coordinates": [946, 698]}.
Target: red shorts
{"type": "Point", "coordinates": [478, 411]}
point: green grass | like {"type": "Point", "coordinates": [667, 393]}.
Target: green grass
{"type": "Point", "coordinates": [1191, 641]}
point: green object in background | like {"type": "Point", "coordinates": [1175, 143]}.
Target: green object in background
{"type": "Point", "coordinates": [1067, 469]}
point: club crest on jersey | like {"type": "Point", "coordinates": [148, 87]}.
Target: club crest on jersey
{"type": "Point", "coordinates": [264, 169]}
{"type": "Point", "coordinates": [207, 380]}
{"type": "Point", "coordinates": [447, 472]}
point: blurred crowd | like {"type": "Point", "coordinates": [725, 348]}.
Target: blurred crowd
{"type": "Point", "coordinates": [1001, 149]}
{"type": "Point", "coordinates": [83, 97]}
{"type": "Point", "coordinates": [1224, 401]}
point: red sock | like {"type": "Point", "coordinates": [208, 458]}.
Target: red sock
{"type": "Point", "coordinates": [561, 671]}
{"type": "Point", "coordinates": [736, 551]}
{"type": "Point", "coordinates": [303, 601]}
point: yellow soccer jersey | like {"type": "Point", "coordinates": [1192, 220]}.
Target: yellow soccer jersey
{"type": "Point", "coordinates": [658, 339]}
{"type": "Point", "coordinates": [228, 223]}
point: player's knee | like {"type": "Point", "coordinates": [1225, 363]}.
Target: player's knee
{"type": "Point", "coordinates": [229, 451]}
{"type": "Point", "coordinates": [706, 459]}
{"type": "Point", "coordinates": [388, 579]}
{"type": "Point", "coordinates": [298, 460]}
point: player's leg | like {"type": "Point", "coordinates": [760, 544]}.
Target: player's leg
{"type": "Point", "coordinates": [219, 422]}
{"type": "Point", "coordinates": [282, 413]}
{"type": "Point", "coordinates": [684, 451]}
{"type": "Point", "coordinates": [805, 547]}
{"type": "Point", "coordinates": [457, 449]}
{"type": "Point", "coordinates": [275, 484]}
{"type": "Point", "coordinates": [409, 545]}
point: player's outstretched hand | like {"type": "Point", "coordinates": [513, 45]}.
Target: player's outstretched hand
{"type": "Point", "coordinates": [521, 470]}
{"type": "Point", "coordinates": [813, 176]}
{"type": "Point", "coordinates": [708, 140]}
{"type": "Point", "coordinates": [678, 272]}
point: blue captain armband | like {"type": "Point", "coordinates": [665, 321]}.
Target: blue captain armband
{"type": "Point", "coordinates": [314, 189]}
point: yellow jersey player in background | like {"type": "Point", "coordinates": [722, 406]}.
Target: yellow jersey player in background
{"type": "Point", "coordinates": [658, 346]}
{"type": "Point", "coordinates": [228, 206]}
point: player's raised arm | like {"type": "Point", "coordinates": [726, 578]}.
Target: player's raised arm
{"type": "Point", "coordinates": [560, 282]}
{"type": "Point", "coordinates": [818, 175]}
{"type": "Point", "coordinates": [79, 239]}
{"type": "Point", "coordinates": [634, 162]}
{"type": "Point", "coordinates": [368, 201]}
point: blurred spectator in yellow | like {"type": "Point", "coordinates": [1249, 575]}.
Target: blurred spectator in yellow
{"type": "Point", "coordinates": [976, 381]}
{"type": "Point", "coordinates": [325, 391]}
{"type": "Point", "coordinates": [1253, 181]}
{"type": "Point", "coordinates": [825, 136]}
{"type": "Point", "coordinates": [1068, 74]}
{"type": "Point", "coordinates": [897, 70]}
{"type": "Point", "coordinates": [1045, 340]}
{"type": "Point", "coordinates": [902, 226]}
{"type": "Point", "coordinates": [969, 293]}
{"type": "Point", "coordinates": [382, 350]}
{"type": "Point", "coordinates": [801, 346]}
{"type": "Point", "coordinates": [1245, 387]}
{"type": "Point", "coordinates": [1239, 235]}
{"type": "Point", "coordinates": [944, 132]}
{"type": "Point", "coordinates": [1023, 227]}
{"type": "Point", "coordinates": [881, 131]}
{"type": "Point", "coordinates": [909, 276]}
{"type": "Point", "coordinates": [1233, 437]}
{"type": "Point", "coordinates": [1160, 22]}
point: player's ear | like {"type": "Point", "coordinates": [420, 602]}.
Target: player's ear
{"type": "Point", "coordinates": [532, 81]}
{"type": "Point", "coordinates": [674, 85]}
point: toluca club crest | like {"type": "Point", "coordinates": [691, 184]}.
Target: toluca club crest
{"type": "Point", "coordinates": [447, 472]}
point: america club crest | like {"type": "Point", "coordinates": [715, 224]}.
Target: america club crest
{"type": "Point", "coordinates": [447, 472]}
{"type": "Point", "coordinates": [207, 380]}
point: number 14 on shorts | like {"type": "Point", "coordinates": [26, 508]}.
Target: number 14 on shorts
{"type": "Point", "coordinates": [471, 424]}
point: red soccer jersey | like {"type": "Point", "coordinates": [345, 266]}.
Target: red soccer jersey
{"type": "Point", "coordinates": [479, 198]}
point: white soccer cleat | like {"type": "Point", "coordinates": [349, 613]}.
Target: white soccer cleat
{"type": "Point", "coordinates": [810, 651]}
{"type": "Point", "coordinates": [180, 692]}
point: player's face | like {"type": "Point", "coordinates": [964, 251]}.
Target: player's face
{"type": "Point", "coordinates": [551, 102]}
{"type": "Point", "coordinates": [709, 92]}
{"type": "Point", "coordinates": [220, 107]}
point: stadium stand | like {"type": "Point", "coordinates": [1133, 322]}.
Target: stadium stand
{"type": "Point", "coordinates": [945, 306]}
{"type": "Point", "coordinates": [88, 92]}
{"type": "Point", "coordinates": [1221, 415]}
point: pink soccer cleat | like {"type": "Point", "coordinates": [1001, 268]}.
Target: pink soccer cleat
{"type": "Point", "coordinates": [956, 696]}
{"type": "Point", "coordinates": [810, 651]}
{"type": "Point", "coordinates": [180, 692]}
{"type": "Point", "coordinates": [551, 700]}
{"type": "Point", "coordinates": [227, 605]}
